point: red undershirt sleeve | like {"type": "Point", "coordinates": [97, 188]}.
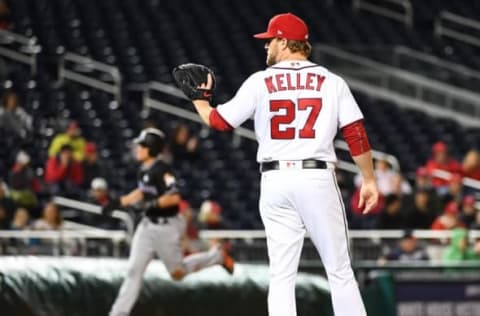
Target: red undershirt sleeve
{"type": "Point", "coordinates": [218, 122]}
{"type": "Point", "coordinates": [356, 138]}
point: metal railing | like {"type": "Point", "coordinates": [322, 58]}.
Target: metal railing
{"type": "Point", "coordinates": [352, 234]}
{"type": "Point", "coordinates": [365, 245]}
{"type": "Point", "coordinates": [402, 87]}
{"type": "Point", "coordinates": [399, 10]}
{"type": "Point", "coordinates": [73, 231]}
{"type": "Point", "coordinates": [248, 246]}
{"type": "Point", "coordinates": [448, 24]}
{"type": "Point", "coordinates": [95, 209]}
{"type": "Point", "coordinates": [59, 239]}
{"type": "Point", "coordinates": [403, 57]}
{"type": "Point", "coordinates": [392, 160]}
{"type": "Point", "coordinates": [88, 72]}
{"type": "Point", "coordinates": [149, 101]}
{"type": "Point", "coordinates": [468, 182]}
{"type": "Point", "coordinates": [20, 48]}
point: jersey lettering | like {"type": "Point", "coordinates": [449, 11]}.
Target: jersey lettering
{"type": "Point", "coordinates": [288, 82]}
{"type": "Point", "coordinates": [307, 131]}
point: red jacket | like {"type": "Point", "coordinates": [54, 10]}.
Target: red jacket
{"type": "Point", "coordinates": [451, 165]}
{"type": "Point", "coordinates": [56, 172]}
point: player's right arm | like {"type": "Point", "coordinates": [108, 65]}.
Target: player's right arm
{"type": "Point", "coordinates": [368, 191]}
{"type": "Point", "coordinates": [351, 122]}
{"type": "Point", "coordinates": [131, 198]}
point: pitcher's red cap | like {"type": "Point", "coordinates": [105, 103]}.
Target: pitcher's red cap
{"type": "Point", "coordinates": [285, 25]}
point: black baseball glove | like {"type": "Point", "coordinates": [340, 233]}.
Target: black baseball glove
{"type": "Point", "coordinates": [190, 76]}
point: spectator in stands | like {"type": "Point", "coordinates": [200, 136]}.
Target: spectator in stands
{"type": "Point", "coordinates": [63, 173]}
{"type": "Point", "coordinates": [99, 192]}
{"type": "Point", "coordinates": [407, 250]}
{"type": "Point", "coordinates": [384, 175]}
{"type": "Point", "coordinates": [441, 161]}
{"type": "Point", "coordinates": [389, 181]}
{"type": "Point", "coordinates": [449, 219]}
{"type": "Point", "coordinates": [400, 186]}
{"type": "Point", "coordinates": [419, 214]}
{"type": "Point", "coordinates": [183, 145]}
{"type": "Point", "coordinates": [471, 164]}
{"type": "Point", "coordinates": [358, 220]}
{"type": "Point", "coordinates": [71, 137]}
{"type": "Point", "coordinates": [13, 117]}
{"type": "Point", "coordinates": [454, 190]}
{"type": "Point", "coordinates": [459, 249]}
{"type": "Point", "coordinates": [469, 211]}
{"type": "Point", "coordinates": [5, 18]}
{"type": "Point", "coordinates": [476, 223]}
{"type": "Point", "coordinates": [4, 218]}
{"type": "Point", "coordinates": [23, 183]}
{"type": "Point", "coordinates": [92, 168]}
{"type": "Point", "coordinates": [210, 215]}
{"type": "Point", "coordinates": [5, 201]}
{"type": "Point", "coordinates": [423, 182]}
{"type": "Point", "coordinates": [21, 219]}
{"type": "Point", "coordinates": [391, 216]}
{"type": "Point", "coordinates": [51, 218]}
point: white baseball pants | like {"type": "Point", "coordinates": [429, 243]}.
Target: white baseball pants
{"type": "Point", "coordinates": [291, 203]}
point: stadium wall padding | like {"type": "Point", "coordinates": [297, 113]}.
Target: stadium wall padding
{"type": "Point", "coordinates": [71, 286]}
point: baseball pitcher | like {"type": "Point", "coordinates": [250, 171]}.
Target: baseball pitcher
{"type": "Point", "coordinates": [160, 231]}
{"type": "Point", "coordinates": [297, 107]}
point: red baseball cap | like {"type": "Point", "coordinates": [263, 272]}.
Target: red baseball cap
{"type": "Point", "coordinates": [439, 147]}
{"type": "Point", "coordinates": [90, 148]}
{"type": "Point", "coordinates": [285, 25]}
{"type": "Point", "coordinates": [451, 208]}
{"type": "Point", "coordinates": [469, 200]}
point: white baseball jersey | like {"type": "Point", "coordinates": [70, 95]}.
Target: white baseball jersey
{"type": "Point", "coordinates": [297, 107]}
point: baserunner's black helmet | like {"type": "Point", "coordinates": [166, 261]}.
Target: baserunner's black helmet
{"type": "Point", "coordinates": [153, 139]}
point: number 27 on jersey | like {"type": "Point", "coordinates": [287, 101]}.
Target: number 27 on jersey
{"type": "Point", "coordinates": [290, 109]}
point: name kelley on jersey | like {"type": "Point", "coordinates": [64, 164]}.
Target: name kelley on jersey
{"type": "Point", "coordinates": [298, 81]}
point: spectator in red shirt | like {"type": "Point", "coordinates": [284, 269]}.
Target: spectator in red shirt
{"type": "Point", "coordinates": [63, 174]}
{"type": "Point", "coordinates": [449, 219]}
{"type": "Point", "coordinates": [358, 220]}
{"type": "Point", "coordinates": [441, 161]}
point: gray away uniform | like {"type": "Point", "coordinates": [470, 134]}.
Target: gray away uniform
{"type": "Point", "coordinates": [159, 233]}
